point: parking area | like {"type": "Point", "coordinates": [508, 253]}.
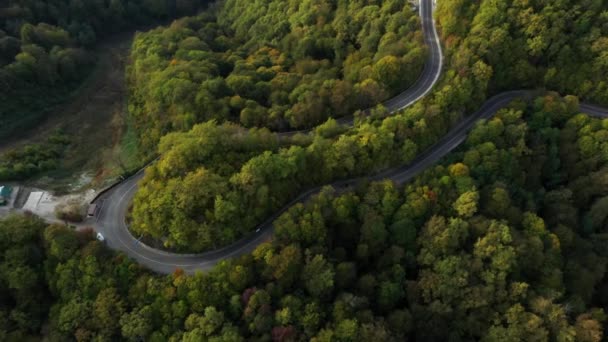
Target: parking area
{"type": "Point", "coordinates": [44, 203]}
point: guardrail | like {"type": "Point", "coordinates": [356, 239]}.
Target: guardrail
{"type": "Point", "coordinates": [120, 180]}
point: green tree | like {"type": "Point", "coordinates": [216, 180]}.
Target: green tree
{"type": "Point", "coordinates": [318, 276]}
{"type": "Point", "coordinates": [466, 204]}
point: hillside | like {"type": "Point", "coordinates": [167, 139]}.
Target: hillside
{"type": "Point", "coordinates": [476, 212]}
{"type": "Point", "coordinates": [248, 180]}
{"type": "Point", "coordinates": [46, 50]}
{"type": "Point", "coordinates": [504, 239]}
{"type": "Point", "coordinates": [277, 64]}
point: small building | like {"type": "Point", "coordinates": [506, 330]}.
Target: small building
{"type": "Point", "coordinates": [5, 194]}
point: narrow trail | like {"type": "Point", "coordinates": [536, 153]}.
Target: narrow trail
{"type": "Point", "coordinates": [114, 204]}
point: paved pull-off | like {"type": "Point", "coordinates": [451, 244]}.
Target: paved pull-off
{"type": "Point", "coordinates": [114, 204]}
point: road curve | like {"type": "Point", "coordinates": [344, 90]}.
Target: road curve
{"type": "Point", "coordinates": [114, 204]}
{"type": "Point", "coordinates": [110, 219]}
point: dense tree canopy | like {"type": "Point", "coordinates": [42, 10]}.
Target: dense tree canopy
{"type": "Point", "coordinates": [24, 298]}
{"type": "Point", "coordinates": [248, 176]}
{"type": "Point", "coordinates": [560, 45]}
{"type": "Point", "coordinates": [279, 64]}
{"type": "Point", "coordinates": [503, 240]}
{"type": "Point", "coordinates": [487, 245]}
{"type": "Point", "coordinates": [28, 160]}
{"type": "Point", "coordinates": [247, 61]}
{"type": "Point", "coordinates": [262, 182]}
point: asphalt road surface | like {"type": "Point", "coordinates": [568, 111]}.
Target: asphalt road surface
{"type": "Point", "coordinates": [110, 220]}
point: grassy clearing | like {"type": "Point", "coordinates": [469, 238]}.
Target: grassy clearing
{"type": "Point", "coordinates": [128, 149]}
{"type": "Point", "coordinates": [122, 158]}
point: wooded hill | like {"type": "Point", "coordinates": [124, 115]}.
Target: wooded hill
{"type": "Point", "coordinates": [277, 64]}
{"type": "Point", "coordinates": [506, 239]}
{"type": "Point", "coordinates": [247, 179]}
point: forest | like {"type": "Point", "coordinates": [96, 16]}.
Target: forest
{"type": "Point", "coordinates": [559, 45]}
{"type": "Point", "coordinates": [294, 71]}
{"type": "Point", "coordinates": [31, 159]}
{"type": "Point", "coordinates": [276, 64]}
{"type": "Point", "coordinates": [503, 240]}
{"type": "Point", "coordinates": [244, 187]}
{"type": "Point", "coordinates": [46, 49]}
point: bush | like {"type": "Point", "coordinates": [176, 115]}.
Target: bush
{"type": "Point", "coordinates": [72, 211]}
{"type": "Point", "coordinates": [31, 159]}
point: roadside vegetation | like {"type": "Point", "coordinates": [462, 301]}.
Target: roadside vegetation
{"type": "Point", "coordinates": [72, 211]}
{"type": "Point", "coordinates": [237, 198]}
{"type": "Point", "coordinates": [560, 45]}
{"type": "Point", "coordinates": [277, 64]}
{"type": "Point", "coordinates": [505, 239]}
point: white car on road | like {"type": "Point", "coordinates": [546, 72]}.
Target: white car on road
{"type": "Point", "coordinates": [100, 237]}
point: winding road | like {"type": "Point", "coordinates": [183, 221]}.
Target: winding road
{"type": "Point", "coordinates": [110, 219]}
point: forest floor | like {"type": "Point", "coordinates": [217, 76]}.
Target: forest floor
{"type": "Point", "coordinates": [101, 144]}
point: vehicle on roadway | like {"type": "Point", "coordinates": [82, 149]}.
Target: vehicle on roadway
{"type": "Point", "coordinates": [92, 210]}
{"type": "Point", "coordinates": [167, 263]}
{"type": "Point", "coordinates": [164, 262]}
{"type": "Point", "coordinates": [100, 237]}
